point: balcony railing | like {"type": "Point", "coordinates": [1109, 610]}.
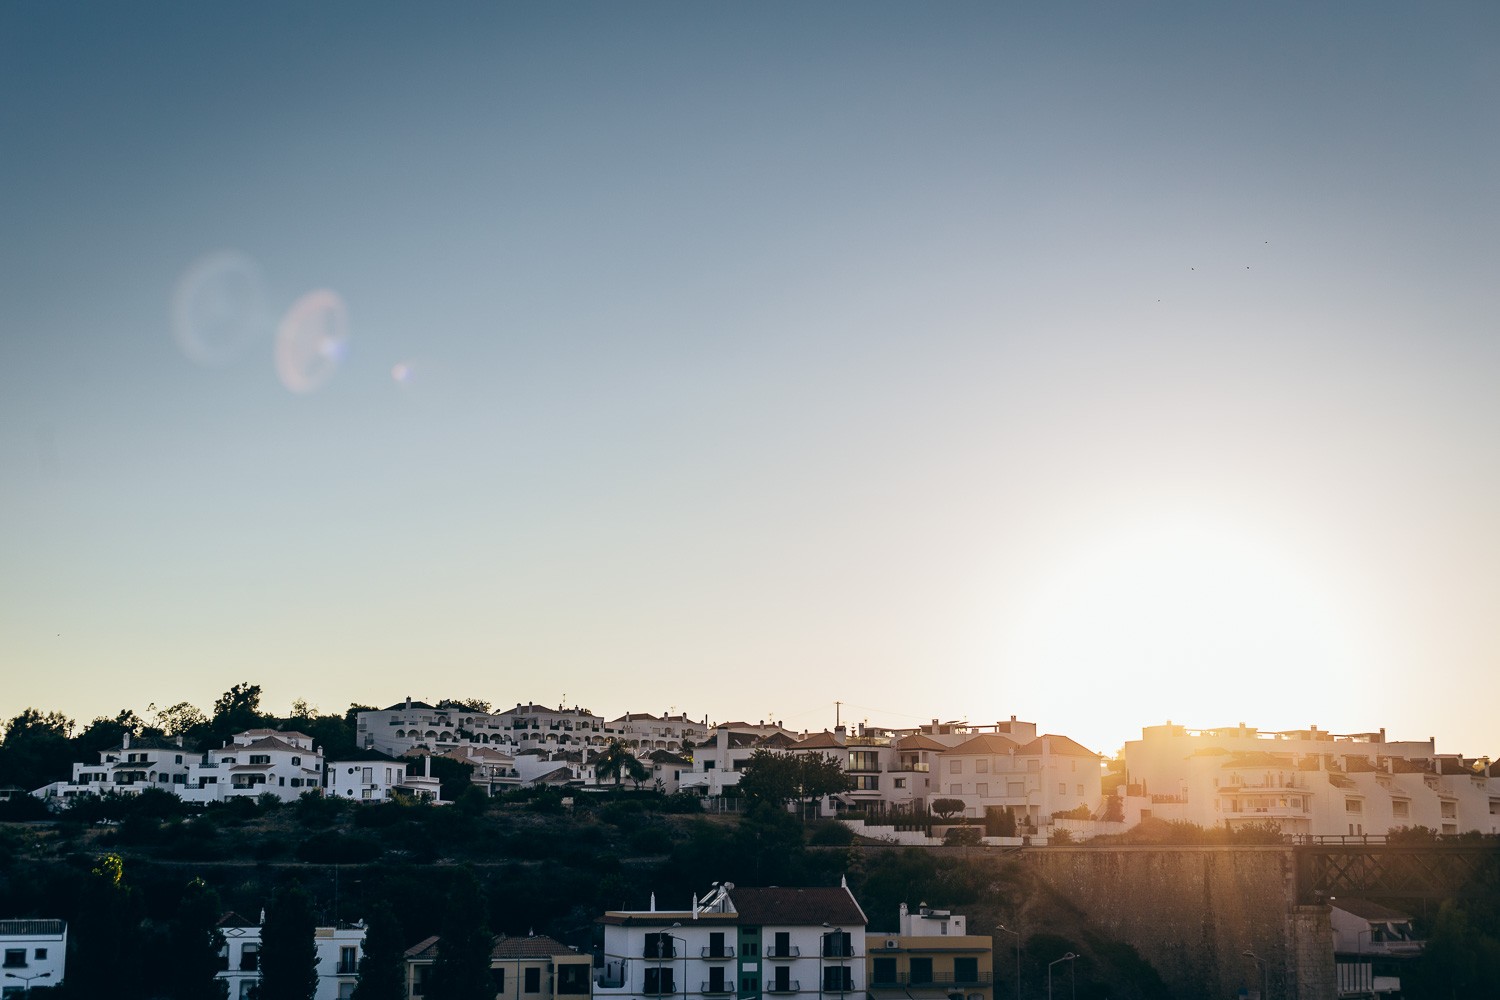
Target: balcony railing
{"type": "Point", "coordinates": [711, 989]}
{"type": "Point", "coordinates": [786, 986]}
{"type": "Point", "coordinates": [785, 951]}
{"type": "Point", "coordinates": [936, 979]}
{"type": "Point", "coordinates": [720, 953]}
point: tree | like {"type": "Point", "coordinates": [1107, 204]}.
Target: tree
{"type": "Point", "coordinates": [288, 954]}
{"type": "Point", "coordinates": [382, 970]}
{"type": "Point", "coordinates": [236, 710]}
{"type": "Point", "coordinates": [105, 733]}
{"type": "Point", "coordinates": [947, 808]}
{"type": "Point", "coordinates": [36, 749]}
{"type": "Point", "coordinates": [461, 970]}
{"type": "Point", "coordinates": [179, 719]}
{"type": "Point", "coordinates": [616, 761]}
{"type": "Point", "coordinates": [194, 942]}
{"type": "Point", "coordinates": [769, 777]}
{"type": "Point", "coordinates": [108, 925]}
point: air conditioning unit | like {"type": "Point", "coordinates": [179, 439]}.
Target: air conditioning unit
{"type": "Point", "coordinates": [891, 943]}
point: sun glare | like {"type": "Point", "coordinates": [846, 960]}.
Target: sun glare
{"type": "Point", "coordinates": [1175, 615]}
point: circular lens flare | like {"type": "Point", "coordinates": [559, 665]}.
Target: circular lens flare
{"type": "Point", "coordinates": [312, 341]}
{"type": "Point", "coordinates": [219, 308]}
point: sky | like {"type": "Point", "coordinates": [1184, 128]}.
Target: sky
{"type": "Point", "coordinates": [1098, 364]}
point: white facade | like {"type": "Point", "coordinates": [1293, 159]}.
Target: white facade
{"type": "Point", "coordinates": [365, 780]}
{"type": "Point", "coordinates": [258, 762]}
{"type": "Point", "coordinates": [32, 953]}
{"type": "Point", "coordinates": [339, 951]}
{"type": "Point", "coordinates": [1034, 780]}
{"type": "Point", "coordinates": [740, 943]}
{"type": "Point", "coordinates": [1306, 782]}
{"type": "Point", "coordinates": [644, 732]}
{"type": "Point", "coordinates": [285, 764]}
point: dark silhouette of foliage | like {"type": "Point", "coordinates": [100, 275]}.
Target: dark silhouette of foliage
{"type": "Point", "coordinates": [288, 955]}
{"type": "Point", "coordinates": [194, 941]}
{"type": "Point", "coordinates": [461, 970]}
{"type": "Point", "coordinates": [381, 967]}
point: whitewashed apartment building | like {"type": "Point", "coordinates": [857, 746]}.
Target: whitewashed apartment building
{"type": "Point", "coordinates": [1307, 782]}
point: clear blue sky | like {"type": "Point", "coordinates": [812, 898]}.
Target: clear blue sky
{"type": "Point", "coordinates": [1099, 364]}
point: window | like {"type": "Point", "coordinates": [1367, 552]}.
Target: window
{"type": "Point", "coordinates": [837, 944]}
{"type": "Point", "coordinates": [901, 783]}
{"type": "Point", "coordinates": [981, 766]}
{"type": "Point", "coordinates": [40, 954]}
{"type": "Point", "coordinates": [571, 979]}
{"type": "Point", "coordinates": [297, 761]}
{"type": "Point", "coordinates": [716, 980]}
{"type": "Point", "coordinates": [866, 782]}
{"type": "Point", "coordinates": [1400, 808]}
{"type": "Point", "coordinates": [966, 970]}
{"type": "Point", "coordinates": [1015, 789]}
{"type": "Point", "coordinates": [716, 945]}
{"type": "Point", "coordinates": [1080, 791]}
{"type": "Point", "coordinates": [1355, 806]}
{"type": "Point", "coordinates": [348, 961]}
{"type": "Point", "coordinates": [179, 758]}
{"type": "Point", "coordinates": [497, 979]}
{"type": "Point", "coordinates": [1062, 788]}
{"type": "Point", "coordinates": [921, 970]}
{"type": "Point", "coordinates": [749, 984]}
{"type": "Point", "coordinates": [955, 789]}
{"type": "Point", "coordinates": [955, 767]}
{"type": "Point", "coordinates": [260, 758]}
{"type": "Point", "coordinates": [659, 981]}
{"type": "Point", "coordinates": [781, 945]}
{"type": "Point", "coordinates": [884, 972]}
{"type": "Point", "coordinates": [346, 990]}
{"type": "Point", "coordinates": [981, 789]}
{"type": "Point", "coordinates": [15, 958]}
{"type": "Point", "coordinates": [659, 945]}
{"type": "Point", "coordinates": [1449, 810]}
{"type": "Point", "coordinates": [533, 980]}
{"type": "Point", "coordinates": [250, 957]}
{"type": "Point", "coordinates": [838, 979]}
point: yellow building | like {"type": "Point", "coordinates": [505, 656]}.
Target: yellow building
{"type": "Point", "coordinates": [931, 957]}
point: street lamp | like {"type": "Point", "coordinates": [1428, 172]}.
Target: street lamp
{"type": "Point", "coordinates": [675, 942]}
{"type": "Point", "coordinates": [1265, 991]}
{"type": "Point", "coordinates": [26, 980]}
{"type": "Point", "coordinates": [833, 944]}
{"type": "Point", "coordinates": [1066, 958]}
{"type": "Point", "coordinates": [1018, 956]}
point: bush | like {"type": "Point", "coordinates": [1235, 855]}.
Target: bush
{"type": "Point", "coordinates": [830, 833]}
{"type": "Point", "coordinates": [961, 835]}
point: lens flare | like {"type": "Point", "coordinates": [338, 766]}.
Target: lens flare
{"type": "Point", "coordinates": [312, 341]}
{"type": "Point", "coordinates": [219, 308]}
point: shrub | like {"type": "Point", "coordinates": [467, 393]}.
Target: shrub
{"type": "Point", "coordinates": [961, 835]}
{"type": "Point", "coordinates": [830, 833]}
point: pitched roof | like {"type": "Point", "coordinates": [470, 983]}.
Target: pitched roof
{"type": "Point", "coordinates": [401, 706]}
{"type": "Point", "coordinates": [777, 741]}
{"type": "Point", "coordinates": [819, 741]}
{"type": "Point", "coordinates": [232, 919]}
{"type": "Point", "coordinates": [266, 743]}
{"type": "Point", "coordinates": [1366, 909]}
{"type": "Point", "coordinates": [511, 948]}
{"type": "Point", "coordinates": [531, 946]}
{"type": "Point", "coordinates": [917, 741]}
{"type": "Point", "coordinates": [667, 757]}
{"type": "Point", "coordinates": [986, 743]}
{"type": "Point", "coordinates": [798, 907]}
{"type": "Point", "coordinates": [1058, 745]}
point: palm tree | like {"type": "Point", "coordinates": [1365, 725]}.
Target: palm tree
{"type": "Point", "coordinates": [617, 762]}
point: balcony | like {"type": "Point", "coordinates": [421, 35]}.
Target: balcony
{"type": "Point", "coordinates": [938, 979]}
{"type": "Point", "coordinates": [910, 767]}
{"type": "Point", "coordinates": [722, 953]}
{"type": "Point", "coordinates": [711, 989]}
{"type": "Point", "coordinates": [785, 986]}
{"type": "Point", "coordinates": [785, 951]}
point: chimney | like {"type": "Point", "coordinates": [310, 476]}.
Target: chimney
{"type": "Point", "coordinates": [125, 741]}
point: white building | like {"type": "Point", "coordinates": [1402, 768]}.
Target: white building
{"type": "Point", "coordinates": [33, 953]}
{"type": "Point", "coordinates": [1371, 945]}
{"type": "Point", "coordinates": [1031, 780]}
{"type": "Point", "coordinates": [1306, 782]}
{"type": "Point", "coordinates": [258, 762]}
{"type": "Point", "coordinates": [285, 764]}
{"type": "Point", "coordinates": [645, 732]}
{"type": "Point", "coordinates": [339, 951]}
{"type": "Point", "coordinates": [372, 779]}
{"type": "Point", "coordinates": [136, 764]}
{"type": "Point", "coordinates": [741, 943]}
